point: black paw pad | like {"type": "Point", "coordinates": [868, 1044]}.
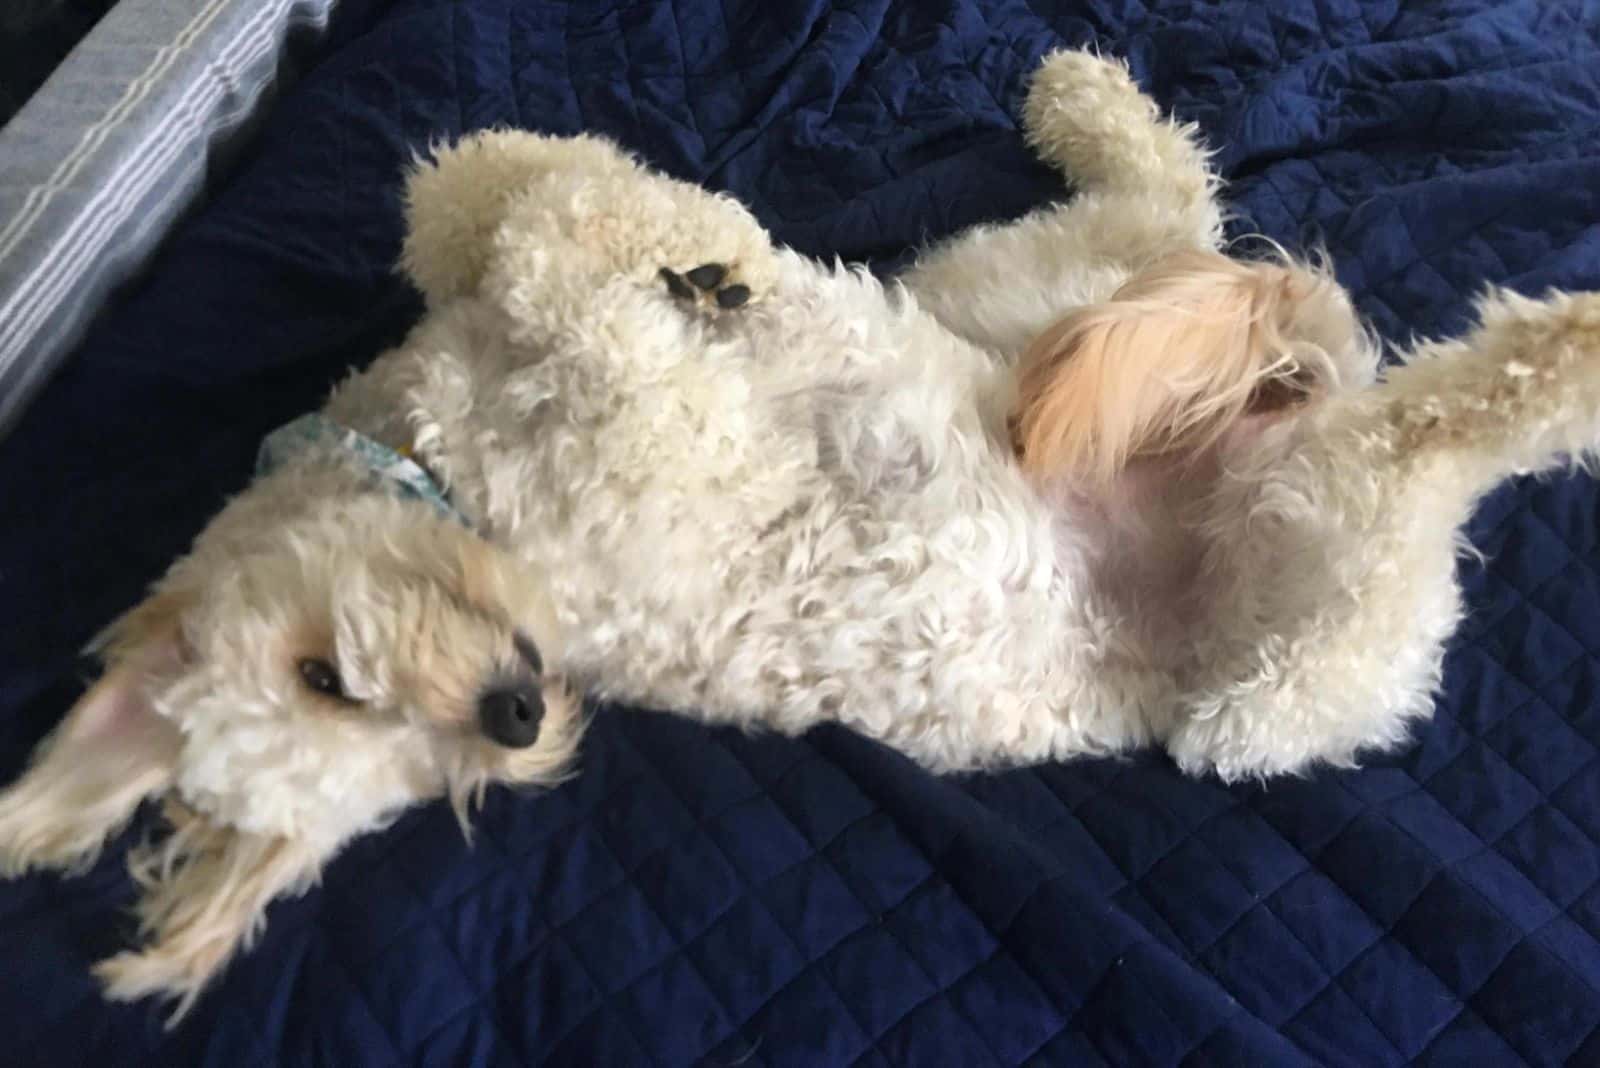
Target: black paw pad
{"type": "Point", "coordinates": [676, 285]}
{"type": "Point", "coordinates": [733, 296]}
{"type": "Point", "coordinates": [708, 276]}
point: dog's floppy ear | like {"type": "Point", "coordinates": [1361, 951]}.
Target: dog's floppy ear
{"type": "Point", "coordinates": [204, 891]}
{"type": "Point", "coordinates": [111, 752]}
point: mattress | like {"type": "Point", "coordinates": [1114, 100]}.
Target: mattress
{"type": "Point", "coordinates": [35, 35]}
{"type": "Point", "coordinates": [701, 896]}
{"type": "Point", "coordinates": [115, 146]}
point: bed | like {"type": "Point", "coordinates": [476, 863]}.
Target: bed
{"type": "Point", "coordinates": [35, 35]}
{"type": "Point", "coordinates": [701, 896]}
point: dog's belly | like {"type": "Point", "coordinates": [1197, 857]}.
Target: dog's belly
{"type": "Point", "coordinates": [1141, 553]}
{"type": "Point", "coordinates": [913, 593]}
{"type": "Point", "coordinates": [814, 517]}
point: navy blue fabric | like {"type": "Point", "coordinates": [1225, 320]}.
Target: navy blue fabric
{"type": "Point", "coordinates": [699, 896]}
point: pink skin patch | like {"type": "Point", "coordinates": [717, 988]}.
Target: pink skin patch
{"type": "Point", "coordinates": [1138, 536]}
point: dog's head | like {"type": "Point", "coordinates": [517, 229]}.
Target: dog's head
{"type": "Point", "coordinates": [316, 664]}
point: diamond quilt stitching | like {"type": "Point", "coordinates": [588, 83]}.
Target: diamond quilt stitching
{"type": "Point", "coordinates": [1097, 911]}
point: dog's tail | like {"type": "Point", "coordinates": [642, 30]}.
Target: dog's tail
{"type": "Point", "coordinates": [1519, 394]}
{"type": "Point", "coordinates": [1183, 351]}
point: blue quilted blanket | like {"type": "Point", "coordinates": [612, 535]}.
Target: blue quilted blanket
{"type": "Point", "coordinates": [700, 896]}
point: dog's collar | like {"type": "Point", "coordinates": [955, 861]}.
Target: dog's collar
{"type": "Point", "coordinates": [393, 468]}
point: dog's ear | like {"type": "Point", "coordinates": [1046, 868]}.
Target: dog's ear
{"type": "Point", "coordinates": [204, 891]}
{"type": "Point", "coordinates": [1178, 355]}
{"type": "Point", "coordinates": [111, 752]}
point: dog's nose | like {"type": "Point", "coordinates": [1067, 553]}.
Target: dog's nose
{"type": "Point", "coordinates": [510, 715]}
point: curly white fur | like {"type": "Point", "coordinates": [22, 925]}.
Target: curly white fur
{"type": "Point", "coordinates": [800, 509]}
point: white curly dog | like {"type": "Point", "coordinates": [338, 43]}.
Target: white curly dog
{"type": "Point", "coordinates": [687, 469]}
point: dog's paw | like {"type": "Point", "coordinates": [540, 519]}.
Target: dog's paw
{"type": "Point", "coordinates": [712, 287]}
{"type": "Point", "coordinates": [1087, 116]}
{"type": "Point", "coordinates": [1069, 74]}
{"type": "Point", "coordinates": [1078, 103]}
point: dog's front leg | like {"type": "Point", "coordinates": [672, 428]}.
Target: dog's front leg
{"type": "Point", "coordinates": [544, 227]}
{"type": "Point", "coordinates": [1332, 552]}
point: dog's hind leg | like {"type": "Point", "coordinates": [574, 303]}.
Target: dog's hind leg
{"type": "Point", "coordinates": [1331, 570]}
{"type": "Point", "coordinates": [1144, 188]}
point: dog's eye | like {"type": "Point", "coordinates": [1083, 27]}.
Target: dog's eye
{"type": "Point", "coordinates": [322, 677]}
{"type": "Point", "coordinates": [528, 651]}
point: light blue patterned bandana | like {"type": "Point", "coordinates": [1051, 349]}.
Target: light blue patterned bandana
{"type": "Point", "coordinates": [398, 470]}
